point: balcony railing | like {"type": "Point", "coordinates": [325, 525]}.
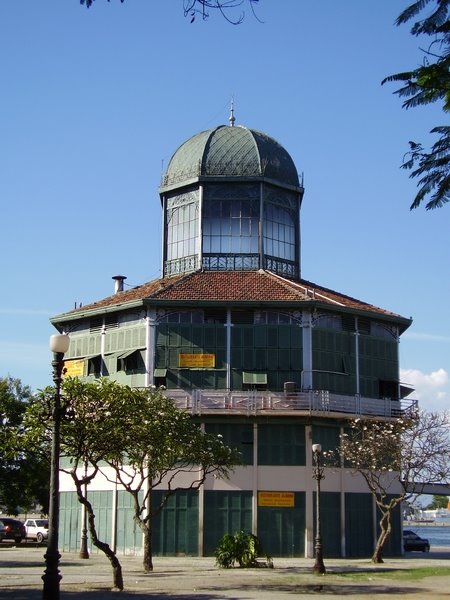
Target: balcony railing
{"type": "Point", "coordinates": [312, 402]}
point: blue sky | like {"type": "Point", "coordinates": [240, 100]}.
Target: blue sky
{"type": "Point", "coordinates": [94, 102]}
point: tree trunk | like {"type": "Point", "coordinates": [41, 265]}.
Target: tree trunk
{"type": "Point", "coordinates": [385, 531]}
{"type": "Point", "coordinates": [148, 554]}
{"type": "Point", "coordinates": [103, 546]}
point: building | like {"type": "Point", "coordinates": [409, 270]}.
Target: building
{"type": "Point", "coordinates": [253, 351]}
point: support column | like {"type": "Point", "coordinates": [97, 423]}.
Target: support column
{"type": "Point", "coordinates": [150, 342]}
{"type": "Point", "coordinates": [200, 228]}
{"type": "Point", "coordinates": [114, 515]}
{"type": "Point", "coordinates": [228, 326]}
{"type": "Point", "coordinates": [342, 494]}
{"type": "Point", "coordinates": [102, 350]}
{"type": "Point", "coordinates": [201, 513]}
{"type": "Point", "coordinates": [255, 480]}
{"type": "Point", "coordinates": [309, 507]}
{"type": "Point", "coordinates": [358, 387]}
{"type": "Point", "coordinates": [307, 374]}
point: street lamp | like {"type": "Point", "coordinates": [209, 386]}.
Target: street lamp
{"type": "Point", "coordinates": [59, 344]}
{"type": "Point", "coordinates": [84, 552]}
{"type": "Point", "coordinates": [318, 475]}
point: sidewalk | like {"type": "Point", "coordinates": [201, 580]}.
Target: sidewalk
{"type": "Point", "coordinates": [188, 578]}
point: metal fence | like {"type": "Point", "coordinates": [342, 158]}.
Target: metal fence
{"type": "Point", "coordinates": [311, 402]}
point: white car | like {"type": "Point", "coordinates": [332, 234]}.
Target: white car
{"type": "Point", "coordinates": [36, 529]}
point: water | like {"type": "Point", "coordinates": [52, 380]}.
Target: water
{"type": "Point", "coordinates": [438, 535]}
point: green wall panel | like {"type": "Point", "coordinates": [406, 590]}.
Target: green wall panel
{"type": "Point", "coordinates": [334, 361]}
{"type": "Point", "coordinates": [260, 336]}
{"type": "Point", "coordinates": [273, 349]}
{"type": "Point", "coordinates": [235, 435]}
{"type": "Point", "coordinates": [330, 523]}
{"type": "Point", "coordinates": [281, 530]}
{"type": "Point", "coordinates": [188, 339]}
{"type": "Point", "coordinates": [69, 522]}
{"type": "Point", "coordinates": [225, 512]}
{"type": "Point", "coordinates": [102, 505]}
{"type": "Point", "coordinates": [327, 436]}
{"type": "Point", "coordinates": [359, 534]}
{"type": "Point", "coordinates": [281, 444]}
{"type": "Point", "coordinates": [175, 528]}
{"type": "Point", "coordinates": [394, 543]}
{"type": "Point", "coordinates": [129, 537]}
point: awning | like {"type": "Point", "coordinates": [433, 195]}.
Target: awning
{"type": "Point", "coordinates": [129, 352]}
{"type": "Point", "coordinates": [405, 390]}
{"type": "Point", "coordinates": [113, 354]}
{"type": "Point", "coordinates": [254, 378]}
{"type": "Point", "coordinates": [159, 372]}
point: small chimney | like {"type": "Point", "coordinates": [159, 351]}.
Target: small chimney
{"type": "Point", "coordinates": [118, 286]}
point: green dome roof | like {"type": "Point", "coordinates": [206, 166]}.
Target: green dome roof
{"type": "Point", "coordinates": [227, 151]}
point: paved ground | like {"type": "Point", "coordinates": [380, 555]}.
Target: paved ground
{"type": "Point", "coordinates": [190, 578]}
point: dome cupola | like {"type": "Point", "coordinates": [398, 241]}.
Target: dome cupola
{"type": "Point", "coordinates": [231, 198]}
{"type": "Point", "coordinates": [230, 152]}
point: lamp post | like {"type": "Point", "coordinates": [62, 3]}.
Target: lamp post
{"type": "Point", "coordinates": [318, 475]}
{"type": "Point", "coordinates": [59, 344]}
{"type": "Point", "coordinates": [84, 552]}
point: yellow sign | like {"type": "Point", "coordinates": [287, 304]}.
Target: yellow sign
{"type": "Point", "coordinates": [276, 499]}
{"type": "Point", "coordinates": [196, 360]}
{"type": "Point", "coordinates": [74, 368]}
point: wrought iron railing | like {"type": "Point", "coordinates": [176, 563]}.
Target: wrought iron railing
{"type": "Point", "coordinates": [321, 403]}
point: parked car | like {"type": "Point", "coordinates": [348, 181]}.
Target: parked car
{"type": "Point", "coordinates": [412, 541]}
{"type": "Point", "coordinates": [36, 529]}
{"type": "Point", "coordinates": [11, 529]}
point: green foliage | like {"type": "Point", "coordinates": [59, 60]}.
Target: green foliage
{"type": "Point", "coordinates": [438, 502]}
{"type": "Point", "coordinates": [400, 455]}
{"type": "Point", "coordinates": [140, 435]}
{"type": "Point", "coordinates": [139, 428]}
{"type": "Point", "coordinates": [242, 548]}
{"type": "Point", "coordinates": [24, 471]}
{"type": "Point", "coordinates": [427, 84]}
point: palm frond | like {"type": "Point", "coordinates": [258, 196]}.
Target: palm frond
{"type": "Point", "coordinates": [411, 11]}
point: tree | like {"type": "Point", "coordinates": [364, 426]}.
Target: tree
{"type": "Point", "coordinates": [142, 438]}
{"type": "Point", "coordinates": [82, 442]}
{"type": "Point", "coordinates": [396, 459]}
{"type": "Point", "coordinates": [24, 476]}
{"type": "Point", "coordinates": [427, 84]}
{"type": "Point", "coordinates": [192, 8]}
{"type": "Point", "coordinates": [155, 444]}
{"type": "Point", "coordinates": [438, 502]}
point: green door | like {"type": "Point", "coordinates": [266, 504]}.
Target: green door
{"type": "Point", "coordinates": [175, 528]}
{"type": "Point", "coordinates": [102, 505]}
{"type": "Point", "coordinates": [330, 522]}
{"type": "Point", "coordinates": [281, 530]}
{"type": "Point", "coordinates": [69, 522]}
{"type": "Point", "coordinates": [128, 535]}
{"type": "Point", "coordinates": [359, 536]}
{"type": "Point", "coordinates": [225, 512]}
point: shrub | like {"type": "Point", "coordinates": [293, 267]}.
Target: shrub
{"type": "Point", "coordinates": [242, 548]}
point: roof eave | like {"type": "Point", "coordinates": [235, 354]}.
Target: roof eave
{"type": "Point", "coordinates": [74, 315]}
{"type": "Point", "coordinates": [232, 179]}
{"type": "Point", "coordinates": [402, 322]}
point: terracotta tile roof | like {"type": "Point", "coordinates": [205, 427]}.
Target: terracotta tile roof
{"type": "Point", "coordinates": [229, 286]}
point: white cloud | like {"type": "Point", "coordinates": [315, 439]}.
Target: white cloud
{"type": "Point", "coordinates": [431, 389]}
